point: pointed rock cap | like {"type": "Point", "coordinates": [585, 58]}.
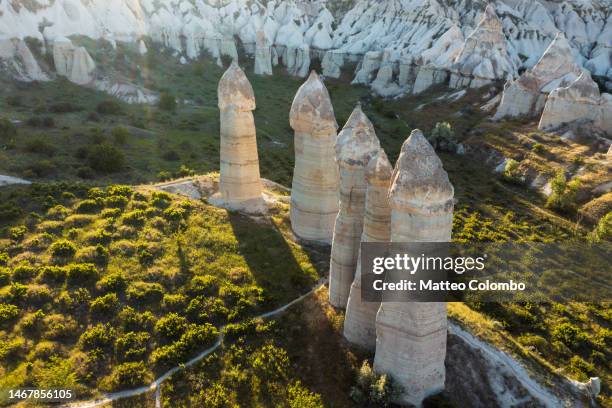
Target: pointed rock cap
{"type": "Point", "coordinates": [357, 142]}
{"type": "Point", "coordinates": [419, 180]}
{"type": "Point", "coordinates": [379, 168]}
{"type": "Point", "coordinates": [312, 109]}
{"type": "Point", "coordinates": [235, 90]}
{"type": "Point", "coordinates": [556, 61]}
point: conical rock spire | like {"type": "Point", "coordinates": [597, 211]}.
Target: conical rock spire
{"type": "Point", "coordinates": [312, 109]}
{"type": "Point", "coordinates": [235, 90]}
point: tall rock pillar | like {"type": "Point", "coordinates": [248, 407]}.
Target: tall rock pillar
{"type": "Point", "coordinates": [357, 144]}
{"type": "Point", "coordinates": [411, 336]}
{"type": "Point", "coordinates": [316, 180]}
{"type": "Point", "coordinates": [360, 319]}
{"type": "Point", "coordinates": [239, 185]}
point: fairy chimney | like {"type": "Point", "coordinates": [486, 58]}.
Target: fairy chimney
{"type": "Point", "coordinates": [314, 190]}
{"type": "Point", "coordinates": [411, 336]}
{"type": "Point", "coordinates": [360, 319]}
{"type": "Point", "coordinates": [239, 185]}
{"type": "Point", "coordinates": [357, 144]}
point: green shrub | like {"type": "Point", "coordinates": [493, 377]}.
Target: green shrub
{"type": "Point", "coordinates": [375, 389]}
{"type": "Point", "coordinates": [52, 275]}
{"type": "Point", "coordinates": [41, 168]}
{"type": "Point", "coordinates": [105, 158]}
{"type": "Point", "coordinates": [90, 206]}
{"type": "Point", "coordinates": [203, 285]}
{"type": "Point", "coordinates": [113, 282]}
{"type": "Point", "coordinates": [11, 351]}
{"type": "Point", "coordinates": [131, 320]}
{"type": "Point", "coordinates": [512, 173]}
{"type": "Point", "coordinates": [132, 346]}
{"type": "Point", "coordinates": [134, 218]}
{"type": "Point", "coordinates": [570, 335]}
{"type": "Point", "coordinates": [5, 276]}
{"type": "Point", "coordinates": [120, 135]}
{"type": "Point", "coordinates": [563, 196]}
{"type": "Point", "coordinates": [7, 129]}
{"type": "Point", "coordinates": [8, 312]}
{"type": "Point", "coordinates": [174, 302]}
{"type": "Point", "coordinates": [116, 201]}
{"type": "Point", "coordinates": [171, 327]}
{"type": "Point", "coordinates": [301, 397]}
{"type": "Point", "coordinates": [105, 306]}
{"type": "Point", "coordinates": [82, 274]}
{"type": "Point", "coordinates": [63, 249]}
{"type": "Point", "coordinates": [168, 356]}
{"type": "Point", "coordinates": [442, 137]}
{"type": "Point", "coordinates": [167, 102]}
{"type": "Point", "coordinates": [233, 331]}
{"type": "Point", "coordinates": [101, 336]}
{"type": "Point", "coordinates": [32, 324]}
{"type": "Point", "coordinates": [38, 296]}
{"type": "Point", "coordinates": [64, 107]}
{"type": "Point", "coordinates": [18, 233]}
{"type": "Point", "coordinates": [109, 107]}
{"type": "Point", "coordinates": [24, 273]}
{"type": "Point", "coordinates": [40, 146]}
{"type": "Point", "coordinates": [603, 231]}
{"type": "Point", "coordinates": [60, 327]}
{"type": "Point", "coordinates": [57, 213]}
{"type": "Point", "coordinates": [145, 293]}
{"type": "Point", "coordinates": [4, 258]}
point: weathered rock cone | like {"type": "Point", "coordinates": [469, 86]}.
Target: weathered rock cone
{"type": "Point", "coordinates": [581, 100]}
{"type": "Point", "coordinates": [484, 57]}
{"type": "Point", "coordinates": [360, 319]}
{"type": "Point", "coordinates": [411, 336]}
{"type": "Point", "coordinates": [263, 55]}
{"type": "Point", "coordinates": [527, 95]}
{"type": "Point", "coordinates": [314, 190]}
{"type": "Point", "coordinates": [357, 144]}
{"type": "Point", "coordinates": [239, 185]}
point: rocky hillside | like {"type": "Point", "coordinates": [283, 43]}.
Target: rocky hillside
{"type": "Point", "coordinates": [476, 42]}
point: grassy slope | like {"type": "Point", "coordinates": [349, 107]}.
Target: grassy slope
{"type": "Point", "coordinates": [486, 210]}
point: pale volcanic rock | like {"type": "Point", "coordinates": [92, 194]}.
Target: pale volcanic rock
{"type": "Point", "coordinates": [316, 180]}
{"type": "Point", "coordinates": [263, 55]}
{"type": "Point", "coordinates": [360, 319]}
{"type": "Point", "coordinates": [369, 65]}
{"type": "Point", "coordinates": [580, 100]}
{"type": "Point", "coordinates": [298, 60]}
{"type": "Point", "coordinates": [427, 76]}
{"type": "Point", "coordinates": [484, 57]}
{"type": "Point", "coordinates": [526, 95]}
{"type": "Point", "coordinates": [332, 63]}
{"type": "Point", "coordinates": [142, 47]}
{"type": "Point", "coordinates": [17, 58]}
{"type": "Point", "coordinates": [63, 56]}
{"type": "Point", "coordinates": [357, 144]}
{"type": "Point", "coordinates": [411, 336]}
{"type": "Point", "coordinates": [240, 185]}
{"type": "Point", "coordinates": [83, 67]}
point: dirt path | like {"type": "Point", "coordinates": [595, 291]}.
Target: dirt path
{"type": "Point", "coordinates": [154, 386]}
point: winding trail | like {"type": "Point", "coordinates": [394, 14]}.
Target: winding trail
{"type": "Point", "coordinates": [155, 385]}
{"type": "Point", "coordinates": [8, 180]}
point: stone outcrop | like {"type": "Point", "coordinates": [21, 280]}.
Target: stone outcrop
{"type": "Point", "coordinates": [314, 190]}
{"type": "Point", "coordinates": [527, 95]}
{"type": "Point", "coordinates": [239, 184]}
{"type": "Point", "coordinates": [411, 336]}
{"type": "Point", "coordinates": [360, 318]}
{"type": "Point", "coordinates": [368, 67]}
{"type": "Point", "coordinates": [427, 76]}
{"type": "Point", "coordinates": [17, 58]}
{"type": "Point", "coordinates": [72, 62]}
{"type": "Point", "coordinates": [142, 47]}
{"type": "Point", "coordinates": [484, 57]}
{"type": "Point", "coordinates": [580, 100]}
{"type": "Point", "coordinates": [357, 144]}
{"type": "Point", "coordinates": [332, 64]}
{"type": "Point", "coordinates": [263, 55]}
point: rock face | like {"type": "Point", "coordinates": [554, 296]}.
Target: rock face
{"type": "Point", "coordinates": [332, 64]}
{"type": "Point", "coordinates": [411, 336]}
{"type": "Point", "coordinates": [526, 95]}
{"type": "Point", "coordinates": [17, 59]}
{"type": "Point", "coordinates": [580, 100]}
{"type": "Point", "coordinates": [484, 57]}
{"type": "Point", "coordinates": [239, 185]}
{"type": "Point", "coordinates": [357, 144]}
{"type": "Point", "coordinates": [360, 318]}
{"type": "Point", "coordinates": [263, 55]}
{"type": "Point", "coordinates": [314, 190]}
{"type": "Point", "coordinates": [72, 62]}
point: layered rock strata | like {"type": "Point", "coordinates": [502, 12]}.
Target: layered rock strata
{"type": "Point", "coordinates": [581, 100]}
{"type": "Point", "coordinates": [411, 336]}
{"type": "Point", "coordinates": [527, 95]}
{"type": "Point", "coordinates": [484, 57]}
{"type": "Point", "coordinates": [316, 180]}
{"type": "Point", "coordinates": [360, 319]}
{"type": "Point", "coordinates": [357, 144]}
{"type": "Point", "coordinates": [239, 184]}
